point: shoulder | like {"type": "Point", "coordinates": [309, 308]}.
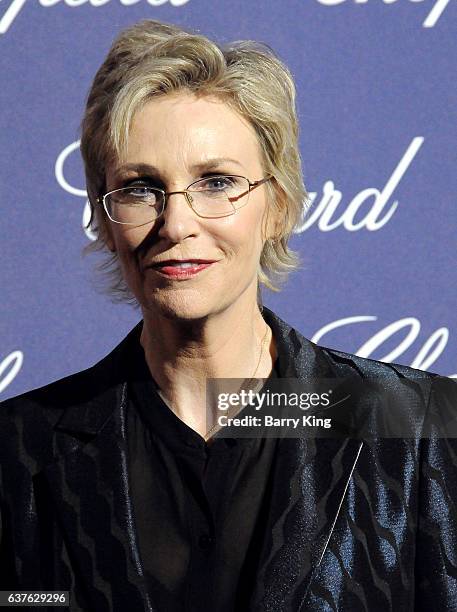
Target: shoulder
{"type": "Point", "coordinates": [76, 388]}
{"type": "Point", "coordinates": [388, 399]}
{"type": "Point", "coordinates": [408, 389]}
{"type": "Point", "coordinates": [294, 347]}
{"type": "Point", "coordinates": [46, 403]}
{"type": "Point", "coordinates": [81, 400]}
{"type": "Point", "coordinates": [419, 403]}
{"type": "Point", "coordinates": [373, 367]}
{"type": "Point", "coordinates": [27, 421]}
{"type": "Point", "coordinates": [435, 386]}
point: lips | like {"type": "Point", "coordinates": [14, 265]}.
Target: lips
{"type": "Point", "coordinates": [181, 269]}
{"type": "Point", "coordinates": [175, 262]}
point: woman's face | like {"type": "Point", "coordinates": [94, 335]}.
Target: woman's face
{"type": "Point", "coordinates": [182, 138]}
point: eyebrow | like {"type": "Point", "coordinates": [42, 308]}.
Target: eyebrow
{"type": "Point", "coordinates": [210, 164]}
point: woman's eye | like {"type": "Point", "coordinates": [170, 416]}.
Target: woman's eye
{"type": "Point", "coordinates": [139, 190]}
{"type": "Point", "coordinates": [218, 183]}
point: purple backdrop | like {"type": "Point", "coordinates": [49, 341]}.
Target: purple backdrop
{"type": "Point", "coordinates": [377, 99]}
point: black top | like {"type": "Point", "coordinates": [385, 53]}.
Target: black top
{"type": "Point", "coordinates": [197, 506]}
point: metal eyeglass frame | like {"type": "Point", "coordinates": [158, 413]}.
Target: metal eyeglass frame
{"type": "Point", "coordinates": [187, 192]}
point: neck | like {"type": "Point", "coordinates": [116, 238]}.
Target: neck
{"type": "Point", "coordinates": [182, 354]}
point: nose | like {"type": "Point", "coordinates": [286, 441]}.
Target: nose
{"type": "Point", "coordinates": [178, 221]}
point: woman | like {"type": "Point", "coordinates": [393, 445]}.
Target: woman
{"type": "Point", "coordinates": [116, 484]}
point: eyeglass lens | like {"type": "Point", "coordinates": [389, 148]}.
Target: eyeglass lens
{"type": "Point", "coordinates": [209, 197]}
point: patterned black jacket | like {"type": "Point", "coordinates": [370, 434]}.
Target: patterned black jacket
{"type": "Point", "coordinates": [355, 524]}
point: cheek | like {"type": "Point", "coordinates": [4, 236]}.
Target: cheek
{"type": "Point", "coordinates": [127, 241]}
{"type": "Point", "coordinates": [126, 244]}
{"type": "Point", "coordinates": [251, 233]}
{"type": "Point", "coordinates": [243, 233]}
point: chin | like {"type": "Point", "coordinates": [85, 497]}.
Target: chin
{"type": "Point", "coordinates": [179, 307]}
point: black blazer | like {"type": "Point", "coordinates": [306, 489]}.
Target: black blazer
{"type": "Point", "coordinates": [354, 524]}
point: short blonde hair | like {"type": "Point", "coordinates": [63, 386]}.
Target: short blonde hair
{"type": "Point", "coordinates": [151, 59]}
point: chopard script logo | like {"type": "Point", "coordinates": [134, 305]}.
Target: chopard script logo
{"type": "Point", "coordinates": [375, 203]}
{"type": "Point", "coordinates": [430, 20]}
{"type": "Point", "coordinates": [426, 356]}
{"type": "Point", "coordinates": [16, 6]}
{"type": "Point", "coordinates": [371, 200]}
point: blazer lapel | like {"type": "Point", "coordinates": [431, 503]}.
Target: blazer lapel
{"type": "Point", "coordinates": [309, 481]}
{"type": "Point", "coordinates": [89, 488]}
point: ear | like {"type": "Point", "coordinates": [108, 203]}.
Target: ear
{"type": "Point", "coordinates": [275, 227]}
{"type": "Point", "coordinates": [272, 223]}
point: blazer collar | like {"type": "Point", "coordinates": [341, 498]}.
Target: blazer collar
{"type": "Point", "coordinates": [89, 484]}
{"type": "Point", "coordinates": [298, 356]}
{"type": "Point", "coordinates": [92, 405]}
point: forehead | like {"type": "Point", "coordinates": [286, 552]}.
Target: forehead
{"type": "Point", "coordinates": [185, 130]}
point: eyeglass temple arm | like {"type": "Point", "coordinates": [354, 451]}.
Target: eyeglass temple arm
{"type": "Point", "coordinates": [251, 187]}
{"type": "Point", "coordinates": [261, 181]}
